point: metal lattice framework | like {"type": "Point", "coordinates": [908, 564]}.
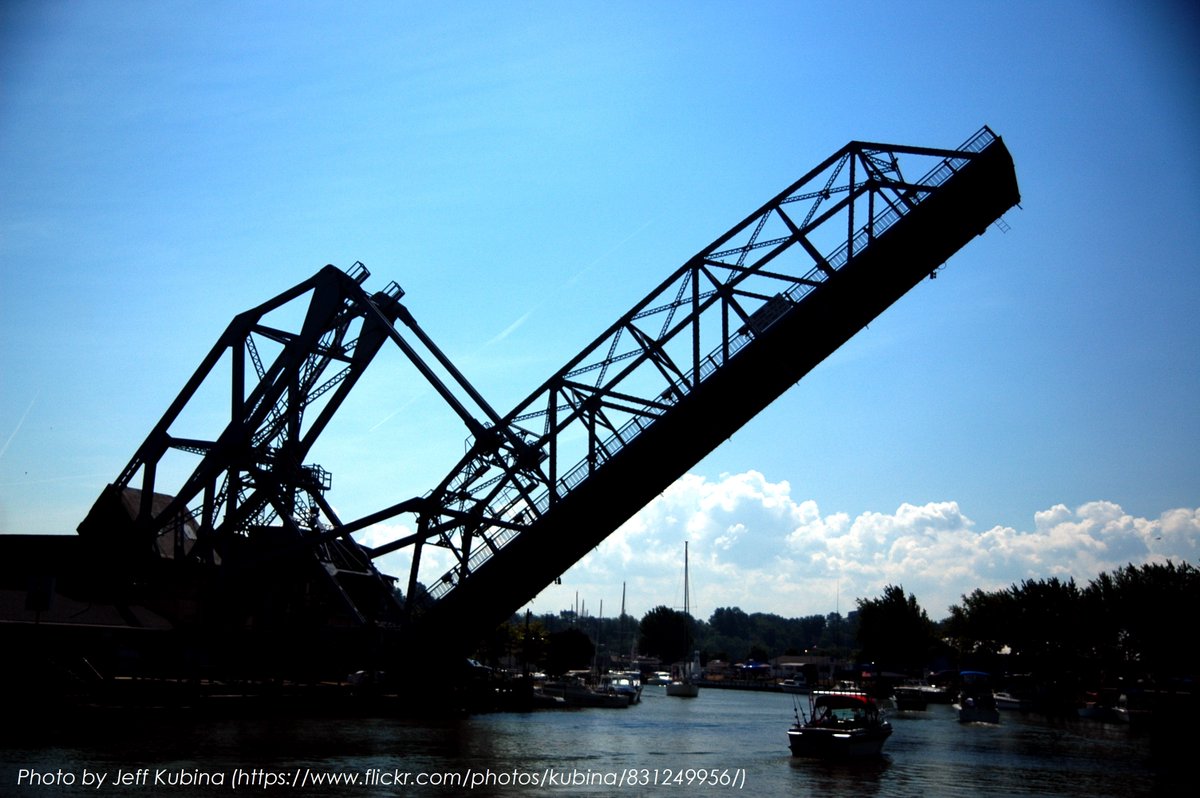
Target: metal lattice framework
{"type": "Point", "coordinates": [202, 499]}
{"type": "Point", "coordinates": [668, 344]}
{"type": "Point", "coordinates": [713, 344]}
{"type": "Point", "coordinates": [283, 387]}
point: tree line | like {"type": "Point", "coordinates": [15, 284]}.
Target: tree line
{"type": "Point", "coordinates": [563, 641]}
{"type": "Point", "coordinates": [1132, 623]}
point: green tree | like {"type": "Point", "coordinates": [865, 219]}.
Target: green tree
{"type": "Point", "coordinates": [1047, 619]}
{"type": "Point", "coordinates": [981, 625]}
{"type": "Point", "coordinates": [730, 622]}
{"type": "Point", "coordinates": [1146, 614]}
{"type": "Point", "coordinates": [665, 633]}
{"type": "Point", "coordinates": [569, 649]}
{"type": "Point", "coordinates": [728, 634]}
{"type": "Point", "coordinates": [894, 631]}
{"type": "Point", "coordinates": [1131, 622]}
{"type": "Point", "coordinates": [837, 633]}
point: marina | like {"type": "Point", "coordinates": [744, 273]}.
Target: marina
{"type": "Point", "coordinates": [216, 557]}
{"type": "Point", "coordinates": [724, 735]}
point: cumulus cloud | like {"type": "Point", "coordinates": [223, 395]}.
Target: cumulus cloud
{"type": "Point", "coordinates": [755, 545]}
{"type": "Point", "coordinates": [397, 563]}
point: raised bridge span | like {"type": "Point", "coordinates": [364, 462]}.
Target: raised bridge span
{"type": "Point", "coordinates": [241, 535]}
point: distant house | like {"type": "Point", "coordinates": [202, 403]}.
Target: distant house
{"type": "Point", "coordinates": [814, 668]}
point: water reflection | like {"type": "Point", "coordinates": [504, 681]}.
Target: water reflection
{"type": "Point", "coordinates": [930, 753]}
{"type": "Point", "coordinates": [840, 778]}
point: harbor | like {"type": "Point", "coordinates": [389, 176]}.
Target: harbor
{"type": "Point", "coordinates": [724, 734]}
{"type": "Point", "coordinates": [243, 572]}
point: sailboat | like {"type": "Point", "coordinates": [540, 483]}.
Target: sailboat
{"type": "Point", "coordinates": [685, 686]}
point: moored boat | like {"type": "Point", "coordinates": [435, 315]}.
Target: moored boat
{"type": "Point", "coordinates": [683, 689]}
{"type": "Point", "coordinates": [1009, 702]}
{"type": "Point", "coordinates": [936, 695]}
{"type": "Point", "coordinates": [911, 698]}
{"type": "Point", "coordinates": [574, 693]}
{"type": "Point", "coordinates": [626, 683]}
{"type": "Point", "coordinates": [685, 685]}
{"type": "Point", "coordinates": [840, 725]}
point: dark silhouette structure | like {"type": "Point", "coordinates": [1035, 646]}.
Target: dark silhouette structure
{"type": "Point", "coordinates": [228, 540]}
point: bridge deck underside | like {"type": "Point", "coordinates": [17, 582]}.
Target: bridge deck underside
{"type": "Point", "coordinates": [825, 319]}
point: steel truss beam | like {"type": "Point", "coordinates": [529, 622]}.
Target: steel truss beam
{"type": "Point", "coordinates": [667, 345]}
{"type": "Point", "coordinates": [251, 474]}
{"type": "Point", "coordinates": [661, 371]}
{"type": "Point", "coordinates": [248, 481]}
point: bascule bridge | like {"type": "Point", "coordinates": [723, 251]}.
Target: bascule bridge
{"type": "Point", "coordinates": [243, 544]}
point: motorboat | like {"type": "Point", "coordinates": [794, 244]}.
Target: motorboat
{"type": "Point", "coordinates": [626, 683]}
{"type": "Point", "coordinates": [839, 725]}
{"type": "Point", "coordinates": [978, 709]}
{"type": "Point", "coordinates": [1010, 702]}
{"type": "Point", "coordinates": [574, 693]}
{"type": "Point", "coordinates": [976, 702]}
{"type": "Point", "coordinates": [935, 694]}
{"type": "Point", "coordinates": [911, 698]}
{"type": "Point", "coordinates": [798, 685]}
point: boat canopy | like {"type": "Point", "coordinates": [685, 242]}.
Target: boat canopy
{"type": "Point", "coordinates": [844, 701]}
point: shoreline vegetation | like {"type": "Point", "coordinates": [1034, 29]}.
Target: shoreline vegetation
{"type": "Point", "coordinates": [1121, 643]}
{"type": "Point", "coordinates": [1055, 645]}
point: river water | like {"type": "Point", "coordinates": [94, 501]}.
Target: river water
{"type": "Point", "coordinates": [724, 742]}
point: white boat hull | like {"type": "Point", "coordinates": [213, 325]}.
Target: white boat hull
{"type": "Point", "coordinates": [835, 744]}
{"type": "Point", "coordinates": [683, 689]}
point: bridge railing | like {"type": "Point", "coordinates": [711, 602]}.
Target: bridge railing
{"type": "Point", "coordinates": [511, 502]}
{"type": "Point", "coordinates": [837, 259]}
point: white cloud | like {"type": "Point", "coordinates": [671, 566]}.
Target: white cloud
{"type": "Point", "coordinates": [396, 563]}
{"type": "Point", "coordinates": [1178, 532]}
{"type": "Point", "coordinates": [755, 546]}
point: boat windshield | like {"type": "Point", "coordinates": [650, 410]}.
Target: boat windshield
{"type": "Point", "coordinates": [843, 709]}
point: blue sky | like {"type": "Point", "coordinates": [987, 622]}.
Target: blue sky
{"type": "Point", "coordinates": [528, 171]}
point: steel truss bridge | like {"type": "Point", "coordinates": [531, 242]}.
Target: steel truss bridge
{"type": "Point", "coordinates": [712, 345]}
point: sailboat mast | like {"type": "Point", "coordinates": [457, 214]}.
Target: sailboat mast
{"type": "Point", "coordinates": [621, 624]}
{"type": "Point", "coordinates": [685, 686]}
{"type": "Point", "coordinates": [685, 578]}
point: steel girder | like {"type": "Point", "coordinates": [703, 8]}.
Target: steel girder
{"type": "Point", "coordinates": [251, 474]}
{"type": "Point", "coordinates": [201, 498]}
{"type": "Point", "coordinates": [659, 352]}
{"type": "Point", "coordinates": [635, 377]}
